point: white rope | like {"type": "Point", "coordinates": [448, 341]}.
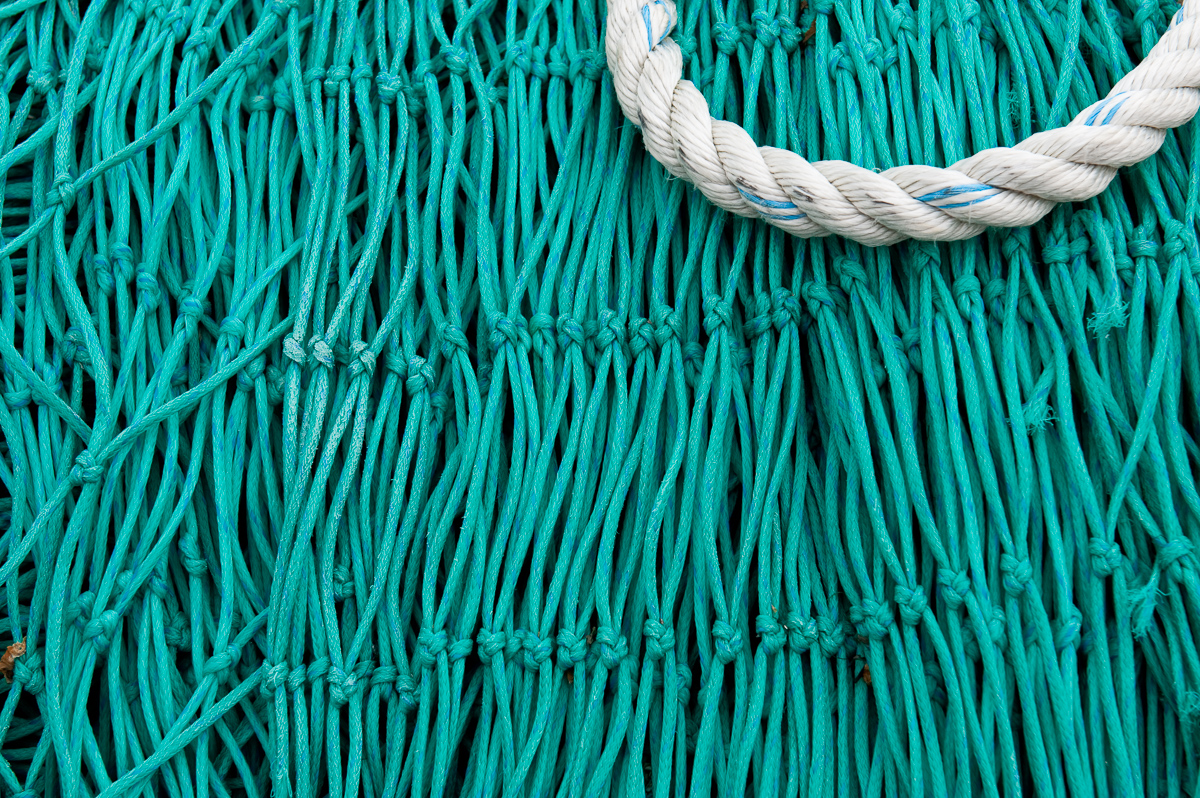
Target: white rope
{"type": "Point", "coordinates": [1000, 187]}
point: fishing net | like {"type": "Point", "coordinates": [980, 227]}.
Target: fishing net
{"type": "Point", "coordinates": [380, 419]}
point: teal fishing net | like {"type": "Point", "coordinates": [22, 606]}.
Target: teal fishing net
{"type": "Point", "coordinates": [380, 419]}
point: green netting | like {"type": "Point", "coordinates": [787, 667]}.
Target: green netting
{"type": "Point", "coordinates": [379, 419]}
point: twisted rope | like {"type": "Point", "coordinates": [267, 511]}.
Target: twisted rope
{"type": "Point", "coordinates": [998, 187]}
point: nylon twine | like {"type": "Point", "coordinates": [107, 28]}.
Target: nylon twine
{"type": "Point", "coordinates": [380, 418]}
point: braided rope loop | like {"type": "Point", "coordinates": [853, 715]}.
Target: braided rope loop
{"type": "Point", "coordinates": [998, 187]}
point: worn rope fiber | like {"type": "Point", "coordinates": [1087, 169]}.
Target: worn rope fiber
{"type": "Point", "coordinates": [998, 187]}
{"type": "Point", "coordinates": [379, 418]}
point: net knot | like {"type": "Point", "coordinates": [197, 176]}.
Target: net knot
{"type": "Point", "coordinates": [872, 617]}
{"type": "Point", "coordinates": [996, 627]}
{"type": "Point", "coordinates": [774, 636]}
{"type": "Point", "coordinates": [512, 331]}
{"type": "Point", "coordinates": [727, 36]}
{"type": "Point", "coordinates": [683, 683]}
{"type": "Point", "coordinates": [955, 587]}
{"type": "Point", "coordinates": [460, 649]}
{"type": "Point", "coordinates": [785, 308]}
{"type": "Point", "coordinates": [878, 55]}
{"type": "Point", "coordinates": [802, 632]}
{"type": "Point", "coordinates": [362, 359]}
{"type": "Point", "coordinates": [407, 692]}
{"type": "Point", "coordinates": [317, 669]}
{"type": "Point", "coordinates": [178, 635]}
{"type": "Point", "coordinates": [912, 602]}
{"type": "Point", "coordinates": [851, 272]}
{"type": "Point", "coordinates": [1106, 557]}
{"type": "Point", "coordinates": [817, 295]}
{"type": "Point", "coordinates": [910, 344]}
{"type": "Point", "coordinates": [321, 351]}
{"type": "Point", "coordinates": [220, 662]}
{"type": "Point", "coordinates": [158, 586]}
{"type": "Point", "coordinates": [104, 274]}
{"type": "Point", "coordinates": [641, 336]}
{"type": "Point", "coordinates": [100, 629]}
{"type": "Point", "coordinates": [457, 60]}
{"type": "Point", "coordinates": [122, 260]}
{"type": "Point", "coordinates": [1056, 252]}
{"type": "Point", "coordinates": [17, 399]}
{"type": "Point", "coordinates": [537, 649]}
{"type": "Point", "coordinates": [903, 19]}
{"type": "Point", "coordinates": [728, 642]}
{"type": "Point", "coordinates": [86, 470]}
{"type": "Point", "coordinates": [667, 325]}
{"type": "Point", "coordinates": [613, 647]}
{"type": "Point", "coordinates": [1171, 557]}
{"type": "Point", "coordinates": [343, 583]}
{"type": "Point", "coordinates": [1069, 628]}
{"type": "Point", "coordinates": [384, 676]}
{"type": "Point", "coordinates": [297, 679]}
{"type": "Point", "coordinates": [250, 373]}
{"type": "Point", "coordinates": [80, 607]}
{"type": "Point", "coordinates": [570, 332]}
{"type": "Point", "coordinates": [389, 86]}
{"type": "Point", "coordinates": [967, 293]}
{"type": "Point", "coordinates": [179, 20]}
{"type": "Point", "coordinates": [28, 673]}
{"type": "Point", "coordinates": [541, 333]}
{"type": "Point", "coordinates": [572, 650]}
{"type": "Point", "coordinates": [149, 294]}
{"type": "Point", "coordinates": [274, 677]}
{"type": "Point", "coordinates": [693, 361]}
{"type": "Point", "coordinates": [62, 191]}
{"type": "Point", "coordinates": [420, 375]}
{"type": "Point", "coordinates": [191, 556]}
{"type": "Point", "coordinates": [275, 384]}
{"type": "Point", "coordinates": [200, 40]}
{"type": "Point", "coordinates": [970, 13]}
{"type": "Point", "coordinates": [454, 340]}
{"type": "Point", "coordinates": [281, 96]}
{"type": "Point", "coordinates": [1177, 239]}
{"type": "Point", "coordinates": [660, 638]}
{"type": "Point", "coordinates": [42, 81]}
{"type": "Point", "coordinates": [1017, 574]}
{"type": "Point", "coordinates": [293, 349]}
{"type": "Point", "coordinates": [257, 64]}
{"type": "Point", "coordinates": [1143, 245]}
{"type": "Point", "coordinates": [491, 644]}
{"type": "Point", "coordinates": [345, 686]}
{"type": "Point", "coordinates": [335, 78]}
{"type": "Point", "coordinates": [429, 645]}
{"type": "Point", "coordinates": [840, 58]}
{"type": "Point", "coordinates": [280, 8]}
{"type": "Point", "coordinates": [557, 66]}
{"type": "Point", "coordinates": [191, 309]}
{"type": "Point", "coordinates": [529, 59]}
{"type": "Point", "coordinates": [760, 323]}
{"type": "Point", "coordinates": [232, 329]}
{"type": "Point", "coordinates": [718, 313]}
{"type": "Point", "coordinates": [766, 28]}
{"type": "Point", "coordinates": [610, 331]}
{"type": "Point", "coordinates": [588, 64]}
